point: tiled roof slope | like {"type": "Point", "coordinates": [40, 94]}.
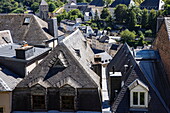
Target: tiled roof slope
{"type": "Point", "coordinates": [97, 3]}
{"type": "Point", "coordinates": [5, 37]}
{"type": "Point", "coordinates": [159, 98]}
{"type": "Point", "coordinates": [8, 80]}
{"type": "Point", "coordinates": [77, 73]}
{"type": "Point", "coordinates": [34, 32]}
{"type": "Point", "coordinates": [117, 2]}
{"type": "Point", "coordinates": [150, 4]}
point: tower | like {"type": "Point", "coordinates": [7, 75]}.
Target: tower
{"type": "Point", "coordinates": [43, 10]}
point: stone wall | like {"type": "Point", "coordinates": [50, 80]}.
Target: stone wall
{"type": "Point", "coordinates": [85, 99]}
{"type": "Point", "coordinates": [162, 44]}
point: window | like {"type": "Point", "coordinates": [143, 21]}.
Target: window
{"type": "Point", "coordinates": [139, 98]}
{"type": "Point", "coordinates": [1, 110]}
{"type": "Point", "coordinates": [38, 101]}
{"type": "Point", "coordinates": [67, 102]}
{"type": "Point", "coordinates": [138, 94]}
{"type": "Point", "coordinates": [27, 20]}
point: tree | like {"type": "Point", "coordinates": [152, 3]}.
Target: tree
{"type": "Point", "coordinates": [127, 36]}
{"type": "Point", "coordinates": [105, 13]}
{"type": "Point", "coordinates": [121, 13]}
{"type": "Point", "coordinates": [81, 1]}
{"type": "Point", "coordinates": [132, 19]}
{"type": "Point", "coordinates": [107, 2]}
{"type": "Point", "coordinates": [148, 33]}
{"type": "Point", "coordinates": [152, 20]}
{"type": "Point", "coordinates": [52, 7]}
{"type": "Point", "coordinates": [96, 17]}
{"type": "Point", "coordinates": [145, 16]}
{"type": "Point", "coordinates": [74, 13]}
{"type": "Point", "coordinates": [18, 10]}
{"type": "Point", "coordinates": [35, 6]}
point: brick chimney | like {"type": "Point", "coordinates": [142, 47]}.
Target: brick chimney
{"type": "Point", "coordinates": [24, 52]}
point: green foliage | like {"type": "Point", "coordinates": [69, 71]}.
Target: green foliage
{"type": "Point", "coordinates": [35, 6]}
{"type": "Point", "coordinates": [127, 36]}
{"type": "Point", "coordinates": [75, 13]}
{"type": "Point", "coordinates": [138, 2]}
{"type": "Point", "coordinates": [132, 19]}
{"type": "Point", "coordinates": [71, 15]}
{"type": "Point", "coordinates": [167, 9]}
{"type": "Point", "coordinates": [152, 20]}
{"type": "Point", "coordinates": [105, 13]}
{"type": "Point", "coordinates": [121, 13]}
{"type": "Point", "coordinates": [145, 17]}
{"type": "Point", "coordinates": [52, 7]}
{"type": "Point", "coordinates": [107, 2]}
{"type": "Point", "coordinates": [148, 33]}
{"type": "Point", "coordinates": [18, 10]}
{"type": "Point", "coordinates": [81, 1]}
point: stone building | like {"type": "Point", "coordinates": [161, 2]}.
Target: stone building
{"type": "Point", "coordinates": [43, 10]}
{"type": "Point", "coordinates": [8, 82]}
{"type": "Point", "coordinates": [63, 81]}
{"type": "Point", "coordinates": [137, 82]}
{"type": "Point", "coordinates": [19, 58]}
{"type": "Point", "coordinates": [162, 43]}
{"type": "Point", "coordinates": [32, 29]}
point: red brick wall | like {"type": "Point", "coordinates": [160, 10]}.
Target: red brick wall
{"type": "Point", "coordinates": [162, 44]}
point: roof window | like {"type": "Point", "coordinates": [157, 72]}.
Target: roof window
{"type": "Point", "coordinates": [27, 20]}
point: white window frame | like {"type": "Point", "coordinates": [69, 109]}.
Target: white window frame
{"type": "Point", "coordinates": [138, 86]}
{"type": "Point", "coordinates": [145, 100]}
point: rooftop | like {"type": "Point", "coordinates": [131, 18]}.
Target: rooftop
{"type": "Point", "coordinates": [8, 80]}
{"type": "Point", "coordinates": [9, 51]}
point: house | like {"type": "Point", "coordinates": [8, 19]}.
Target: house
{"type": "Point", "coordinates": [155, 4]}
{"type": "Point", "coordinates": [63, 81]}
{"type": "Point", "coordinates": [19, 58]}
{"type": "Point", "coordinates": [126, 2]}
{"type": "Point", "coordinates": [32, 29]}
{"type": "Point", "coordinates": [8, 82]}
{"type": "Point", "coordinates": [137, 82]}
{"type": "Point", "coordinates": [69, 25]}
{"type": "Point", "coordinates": [161, 42]}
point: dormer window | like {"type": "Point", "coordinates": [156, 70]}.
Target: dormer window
{"type": "Point", "coordinates": [138, 94]}
{"type": "Point", "coordinates": [27, 20]}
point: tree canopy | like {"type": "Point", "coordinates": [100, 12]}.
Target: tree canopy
{"type": "Point", "coordinates": [121, 13]}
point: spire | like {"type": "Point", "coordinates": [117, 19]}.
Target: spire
{"type": "Point", "coordinates": [43, 2]}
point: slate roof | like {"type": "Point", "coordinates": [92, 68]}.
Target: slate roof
{"type": "Point", "coordinates": [33, 30]}
{"type": "Point", "coordinates": [8, 51]}
{"type": "Point", "coordinates": [150, 4]}
{"type": "Point", "coordinates": [77, 73]}
{"type": "Point", "coordinates": [97, 3]}
{"type": "Point", "coordinates": [5, 38]}
{"type": "Point", "coordinates": [156, 82]}
{"type": "Point", "coordinates": [8, 80]}
{"type": "Point", "coordinates": [117, 2]}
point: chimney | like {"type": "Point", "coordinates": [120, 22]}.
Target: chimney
{"type": "Point", "coordinates": [52, 27]}
{"type": "Point", "coordinates": [24, 52]}
{"type": "Point", "coordinates": [160, 20]}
